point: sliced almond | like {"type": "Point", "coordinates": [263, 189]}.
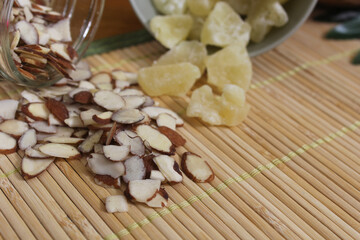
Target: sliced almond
{"type": "Point", "coordinates": [103, 118]}
{"type": "Point", "coordinates": [120, 75]}
{"type": "Point", "coordinates": [34, 153]}
{"type": "Point", "coordinates": [133, 101]}
{"type": "Point", "coordinates": [166, 120]}
{"type": "Point", "coordinates": [149, 164]}
{"type": "Point", "coordinates": [148, 102]}
{"type": "Point", "coordinates": [159, 199]}
{"type": "Point", "coordinates": [196, 168]}
{"type": "Point", "coordinates": [83, 97]}
{"type": "Point", "coordinates": [80, 133]}
{"type": "Point", "coordinates": [109, 100]}
{"type": "Point", "coordinates": [8, 108]}
{"type": "Point", "coordinates": [31, 167]}
{"type": "Point", "coordinates": [131, 92]}
{"type": "Point", "coordinates": [34, 49]}
{"type": "Point", "coordinates": [121, 84]}
{"type": "Point", "coordinates": [169, 168]}
{"type": "Point", "coordinates": [105, 86]}
{"type": "Point", "coordinates": [105, 127]}
{"type": "Point", "coordinates": [134, 169]}
{"type": "Point", "coordinates": [58, 109]}
{"type": "Point", "coordinates": [128, 116]}
{"type": "Point", "coordinates": [28, 32]}
{"type": "Point", "coordinates": [116, 203]}
{"type": "Point", "coordinates": [23, 3]}
{"type": "Point", "coordinates": [60, 31]}
{"type": "Point", "coordinates": [155, 139]}
{"type": "Point", "coordinates": [37, 62]}
{"type": "Point", "coordinates": [15, 40]}
{"type": "Point", "coordinates": [80, 74]}
{"type": "Point", "coordinates": [63, 131]}
{"type": "Point", "coordinates": [28, 139]}
{"type": "Point", "coordinates": [36, 111]}
{"type": "Point", "coordinates": [98, 148]}
{"type": "Point", "coordinates": [74, 121]}
{"type": "Point", "coordinates": [60, 49]}
{"type": "Point", "coordinates": [173, 136]}
{"type": "Point", "coordinates": [60, 150]}
{"type": "Point", "coordinates": [66, 140]}
{"type": "Point", "coordinates": [101, 78]}
{"type": "Point", "coordinates": [87, 116]}
{"type": "Point", "coordinates": [62, 82]}
{"type": "Point", "coordinates": [43, 127]}
{"type": "Point", "coordinates": [129, 138]}
{"type": "Point", "coordinates": [86, 85]}
{"type": "Point", "coordinates": [154, 112]}
{"type": "Point", "coordinates": [116, 153]}
{"type": "Point", "coordinates": [14, 127]}
{"type": "Point", "coordinates": [111, 133]}
{"type": "Point", "coordinates": [107, 181]}
{"type": "Point", "coordinates": [88, 144]}
{"type": "Point", "coordinates": [142, 190]}
{"type": "Point", "coordinates": [8, 144]}
{"type": "Point", "coordinates": [28, 15]}
{"type": "Point", "coordinates": [26, 74]}
{"type": "Point", "coordinates": [99, 164]}
{"type": "Point", "coordinates": [157, 175]}
{"type": "Point", "coordinates": [52, 120]}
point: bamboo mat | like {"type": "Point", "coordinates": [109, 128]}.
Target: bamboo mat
{"type": "Point", "coordinates": [290, 171]}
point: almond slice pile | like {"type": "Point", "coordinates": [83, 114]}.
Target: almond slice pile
{"type": "Point", "coordinates": [129, 143]}
{"type": "Point", "coordinates": [40, 37]}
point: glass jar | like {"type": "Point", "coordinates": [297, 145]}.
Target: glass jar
{"type": "Point", "coordinates": [84, 18]}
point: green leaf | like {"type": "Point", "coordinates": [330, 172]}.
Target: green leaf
{"type": "Point", "coordinates": [356, 59]}
{"type": "Point", "coordinates": [348, 30]}
{"type": "Point", "coordinates": [337, 15]}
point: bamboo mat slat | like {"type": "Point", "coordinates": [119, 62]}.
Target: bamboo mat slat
{"type": "Point", "coordinates": [290, 171]}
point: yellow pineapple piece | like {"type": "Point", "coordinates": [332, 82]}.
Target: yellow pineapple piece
{"type": "Point", "coordinates": [224, 26]}
{"type": "Point", "coordinates": [173, 79]}
{"type": "Point", "coordinates": [201, 7]}
{"type": "Point", "coordinates": [172, 29]}
{"type": "Point", "coordinates": [231, 65]}
{"type": "Point", "coordinates": [264, 15]}
{"type": "Point", "coordinates": [229, 109]}
{"type": "Point", "coordinates": [234, 108]}
{"type": "Point", "coordinates": [240, 6]}
{"type": "Point", "coordinates": [204, 105]}
{"type": "Point", "coordinates": [187, 51]}
{"type": "Point", "coordinates": [169, 7]}
{"type": "Point", "coordinates": [195, 33]}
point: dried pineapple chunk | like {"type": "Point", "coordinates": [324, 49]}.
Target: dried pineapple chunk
{"type": "Point", "coordinates": [187, 51]}
{"type": "Point", "coordinates": [170, 30]}
{"type": "Point", "coordinates": [229, 109]}
{"type": "Point", "coordinates": [169, 7]}
{"type": "Point", "coordinates": [173, 79]}
{"type": "Point", "coordinates": [195, 33]}
{"type": "Point", "coordinates": [263, 15]}
{"type": "Point", "coordinates": [224, 26]}
{"type": "Point", "coordinates": [201, 7]}
{"type": "Point", "coordinates": [240, 6]}
{"type": "Point", "coordinates": [230, 65]}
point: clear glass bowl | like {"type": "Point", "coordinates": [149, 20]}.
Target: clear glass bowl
{"type": "Point", "coordinates": [85, 17]}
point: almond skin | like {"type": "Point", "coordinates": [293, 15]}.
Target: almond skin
{"type": "Point", "coordinates": [58, 109]}
{"type": "Point", "coordinates": [187, 171]}
{"type": "Point", "coordinates": [83, 97]}
{"type": "Point", "coordinates": [107, 180]}
{"type": "Point", "coordinates": [173, 136]}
